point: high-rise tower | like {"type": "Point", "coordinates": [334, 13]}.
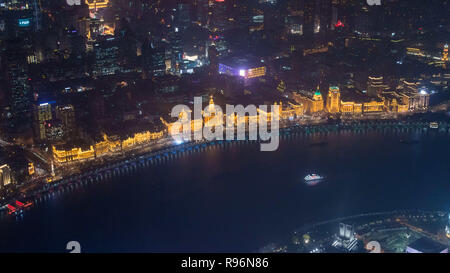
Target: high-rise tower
{"type": "Point", "coordinates": [5, 176]}
{"type": "Point", "coordinates": [445, 55]}
{"type": "Point", "coordinates": [42, 114]}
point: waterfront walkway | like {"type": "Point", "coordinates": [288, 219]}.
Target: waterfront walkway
{"type": "Point", "coordinates": [132, 164]}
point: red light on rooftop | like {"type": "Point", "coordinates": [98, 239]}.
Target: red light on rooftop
{"type": "Point", "coordinates": [339, 24]}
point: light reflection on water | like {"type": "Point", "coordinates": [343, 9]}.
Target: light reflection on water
{"type": "Point", "coordinates": [235, 198]}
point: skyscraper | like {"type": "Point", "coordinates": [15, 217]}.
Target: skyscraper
{"type": "Point", "coordinates": [155, 56]}
{"type": "Point", "coordinates": [316, 16]}
{"type": "Point", "coordinates": [201, 11]}
{"type": "Point", "coordinates": [176, 46]}
{"type": "Point", "coordinates": [5, 176]}
{"type": "Point", "coordinates": [106, 54]}
{"type": "Point", "coordinates": [16, 72]}
{"type": "Point", "coordinates": [219, 16]}
{"type": "Point", "coordinates": [42, 113]}
{"type": "Point", "coordinates": [183, 16]}
{"type": "Point", "coordinates": [66, 114]}
{"type": "Point", "coordinates": [445, 53]}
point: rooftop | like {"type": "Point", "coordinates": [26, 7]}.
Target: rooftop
{"type": "Point", "coordinates": [242, 62]}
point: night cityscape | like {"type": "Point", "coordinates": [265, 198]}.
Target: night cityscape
{"type": "Point", "coordinates": [224, 126]}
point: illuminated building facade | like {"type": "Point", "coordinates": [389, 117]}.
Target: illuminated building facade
{"type": "Point", "coordinates": [317, 102]}
{"type": "Point", "coordinates": [373, 106]}
{"type": "Point", "coordinates": [42, 114]}
{"type": "Point", "coordinates": [54, 130]}
{"type": "Point", "coordinates": [415, 52]}
{"type": "Point", "coordinates": [106, 54]}
{"type": "Point", "coordinates": [155, 58]}
{"type": "Point", "coordinates": [418, 101]}
{"type": "Point", "coordinates": [346, 238]}
{"type": "Point", "coordinates": [445, 53]}
{"type": "Point", "coordinates": [333, 100]}
{"type": "Point", "coordinates": [242, 67]}
{"type": "Point", "coordinates": [375, 86]}
{"type": "Point", "coordinates": [291, 110]}
{"type": "Point", "coordinates": [286, 111]}
{"type": "Point", "coordinates": [196, 124]}
{"type": "Point", "coordinates": [410, 86]}
{"type": "Point", "coordinates": [140, 138]}
{"type": "Point", "coordinates": [402, 108]}
{"type": "Point", "coordinates": [395, 106]}
{"type": "Point", "coordinates": [426, 56]}
{"type": "Point", "coordinates": [254, 72]}
{"type": "Point", "coordinates": [356, 103]}
{"type": "Point", "coordinates": [5, 176]}
{"type": "Point", "coordinates": [95, 5]}
{"type": "Point", "coordinates": [66, 114]}
{"type": "Point", "coordinates": [16, 73]}
{"type": "Point", "coordinates": [219, 15]}
{"type": "Point", "coordinates": [74, 154]}
{"type": "Point", "coordinates": [394, 102]}
{"type": "Point", "coordinates": [176, 49]}
{"type": "Point", "coordinates": [316, 16]}
{"type": "Point", "coordinates": [31, 169]}
{"type": "Point", "coordinates": [20, 16]}
{"type": "Point", "coordinates": [311, 105]}
{"type": "Point", "coordinates": [416, 97]}
{"type": "Point", "coordinates": [294, 24]}
{"type": "Point", "coordinates": [445, 56]}
{"type": "Point", "coordinates": [105, 146]}
{"type": "Point", "coordinates": [351, 107]}
{"type": "Point", "coordinates": [243, 72]}
{"type": "Point", "coordinates": [213, 119]}
{"type": "Point", "coordinates": [319, 49]}
{"type": "Point", "coordinates": [210, 120]}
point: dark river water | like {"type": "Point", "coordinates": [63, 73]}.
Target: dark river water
{"type": "Point", "coordinates": [238, 199]}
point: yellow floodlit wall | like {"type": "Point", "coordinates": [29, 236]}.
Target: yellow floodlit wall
{"type": "Point", "coordinates": [334, 99]}
{"type": "Point", "coordinates": [73, 154]}
{"type": "Point", "coordinates": [347, 107]}
{"type": "Point", "coordinates": [374, 106]}
{"type": "Point", "coordinates": [402, 108]}
{"type": "Point", "coordinates": [256, 72]}
{"type": "Point", "coordinates": [103, 147]}
{"type": "Point", "coordinates": [97, 4]}
{"type": "Point", "coordinates": [317, 103]}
